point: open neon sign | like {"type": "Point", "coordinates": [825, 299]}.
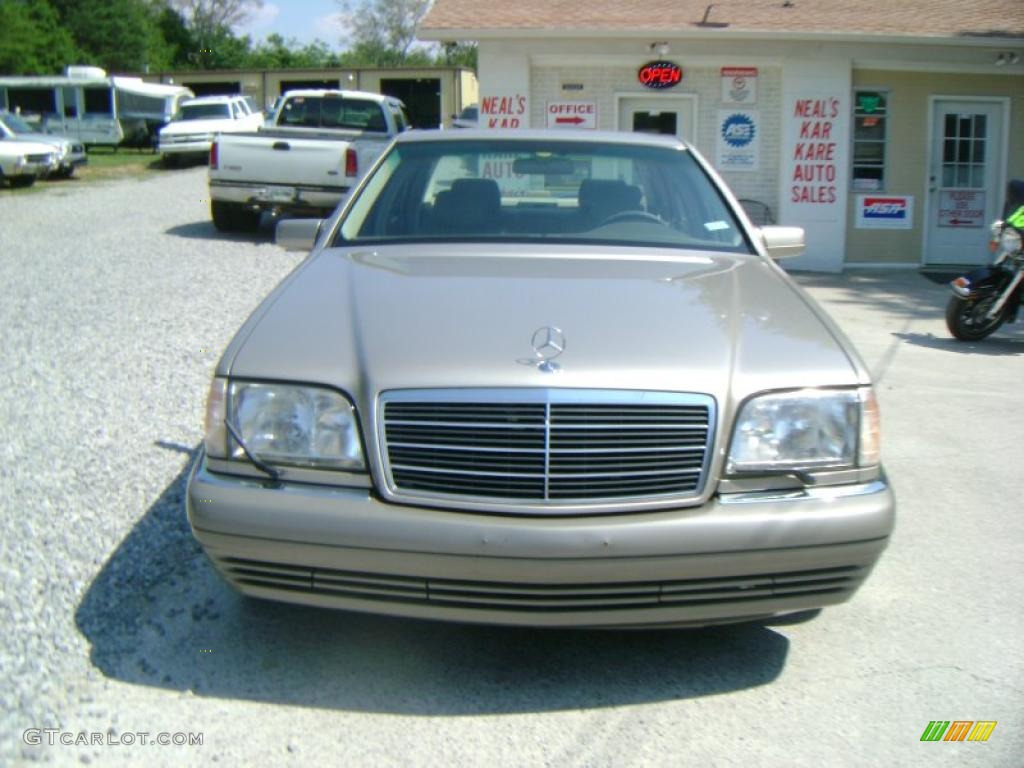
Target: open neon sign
{"type": "Point", "coordinates": [660, 74]}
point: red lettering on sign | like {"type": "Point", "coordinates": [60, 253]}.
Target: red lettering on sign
{"type": "Point", "coordinates": [503, 105]}
{"type": "Point", "coordinates": [660, 74]}
{"type": "Point", "coordinates": [814, 171]}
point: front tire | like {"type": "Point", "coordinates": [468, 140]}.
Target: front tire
{"type": "Point", "coordinates": [966, 319]}
{"type": "Point", "coordinates": [21, 181]}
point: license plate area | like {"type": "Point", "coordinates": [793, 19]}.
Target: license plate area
{"type": "Point", "coordinates": [277, 194]}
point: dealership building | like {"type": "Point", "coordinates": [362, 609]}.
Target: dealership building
{"type": "Point", "coordinates": [887, 131]}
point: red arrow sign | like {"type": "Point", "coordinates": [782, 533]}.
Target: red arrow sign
{"type": "Point", "coordinates": [576, 120]}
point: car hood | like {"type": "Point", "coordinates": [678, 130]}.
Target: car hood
{"type": "Point", "coordinates": [51, 142]}
{"type": "Point", "coordinates": [181, 127]}
{"type": "Point", "coordinates": [19, 147]}
{"type": "Point", "coordinates": [464, 316]}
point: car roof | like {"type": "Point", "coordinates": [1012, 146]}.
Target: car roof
{"type": "Point", "coordinates": [223, 99]}
{"type": "Point", "coordinates": [319, 92]}
{"type": "Point", "coordinates": [550, 135]}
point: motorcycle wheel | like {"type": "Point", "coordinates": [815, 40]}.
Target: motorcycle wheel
{"type": "Point", "coordinates": [966, 319]}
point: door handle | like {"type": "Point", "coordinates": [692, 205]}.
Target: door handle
{"type": "Point", "coordinates": [281, 145]}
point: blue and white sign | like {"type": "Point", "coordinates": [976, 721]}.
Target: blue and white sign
{"type": "Point", "coordinates": [884, 212]}
{"type": "Point", "coordinates": [738, 141]}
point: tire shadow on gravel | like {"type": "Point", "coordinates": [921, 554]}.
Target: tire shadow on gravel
{"type": "Point", "coordinates": [204, 230]}
{"type": "Point", "coordinates": [157, 614]}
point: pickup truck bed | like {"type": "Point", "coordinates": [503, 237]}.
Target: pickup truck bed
{"type": "Point", "coordinates": [302, 165]}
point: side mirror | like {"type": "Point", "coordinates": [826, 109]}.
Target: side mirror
{"type": "Point", "coordinates": [297, 234]}
{"type": "Point", "coordinates": [783, 242]}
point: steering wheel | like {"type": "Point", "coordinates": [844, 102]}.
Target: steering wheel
{"type": "Point", "coordinates": [633, 215]}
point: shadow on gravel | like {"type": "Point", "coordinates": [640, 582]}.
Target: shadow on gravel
{"type": "Point", "coordinates": [204, 230]}
{"type": "Point", "coordinates": [158, 614]}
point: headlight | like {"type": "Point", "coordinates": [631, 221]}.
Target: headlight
{"type": "Point", "coordinates": [284, 424]}
{"type": "Point", "coordinates": [806, 430]}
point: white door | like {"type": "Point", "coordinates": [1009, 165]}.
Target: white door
{"type": "Point", "coordinates": [965, 164]}
{"type": "Point", "coordinates": [672, 115]}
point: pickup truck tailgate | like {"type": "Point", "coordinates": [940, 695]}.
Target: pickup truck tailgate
{"type": "Point", "coordinates": [273, 160]}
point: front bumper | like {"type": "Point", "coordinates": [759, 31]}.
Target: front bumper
{"type": "Point", "coordinates": [345, 548]}
{"type": "Point", "coordinates": [200, 147]}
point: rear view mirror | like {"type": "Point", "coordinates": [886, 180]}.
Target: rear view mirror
{"type": "Point", "coordinates": [783, 242]}
{"type": "Point", "coordinates": [546, 166]}
{"type": "Point", "coordinates": [297, 234]}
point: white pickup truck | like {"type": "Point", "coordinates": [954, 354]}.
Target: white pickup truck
{"type": "Point", "coordinates": [305, 161]}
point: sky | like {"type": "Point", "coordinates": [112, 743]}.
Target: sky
{"type": "Point", "coordinates": [304, 20]}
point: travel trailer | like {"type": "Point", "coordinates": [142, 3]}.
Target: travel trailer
{"type": "Point", "coordinates": [97, 109]}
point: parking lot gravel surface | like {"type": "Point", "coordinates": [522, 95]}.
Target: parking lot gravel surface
{"type": "Point", "coordinates": [118, 299]}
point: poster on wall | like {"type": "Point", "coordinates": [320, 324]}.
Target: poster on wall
{"type": "Point", "coordinates": [738, 141]}
{"type": "Point", "coordinates": [739, 85]}
{"type": "Point", "coordinates": [884, 212]}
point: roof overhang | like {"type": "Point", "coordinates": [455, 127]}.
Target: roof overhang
{"type": "Point", "coordinates": [712, 33]}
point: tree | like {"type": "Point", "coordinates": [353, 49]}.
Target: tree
{"type": "Point", "coordinates": [208, 17]}
{"type": "Point", "coordinates": [32, 41]}
{"type": "Point", "coordinates": [459, 55]}
{"type": "Point", "coordinates": [118, 35]}
{"type": "Point", "coordinates": [384, 29]}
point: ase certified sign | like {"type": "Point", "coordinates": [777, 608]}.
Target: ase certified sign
{"type": "Point", "coordinates": [660, 74]}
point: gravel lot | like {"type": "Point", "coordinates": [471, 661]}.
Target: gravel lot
{"type": "Point", "coordinates": [117, 300]}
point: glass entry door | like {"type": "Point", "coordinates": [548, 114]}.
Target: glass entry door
{"type": "Point", "coordinates": [964, 174]}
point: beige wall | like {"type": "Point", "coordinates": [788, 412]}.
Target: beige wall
{"type": "Point", "coordinates": [907, 151]}
{"type": "Point", "coordinates": [458, 86]}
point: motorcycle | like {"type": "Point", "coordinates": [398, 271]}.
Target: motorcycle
{"type": "Point", "coordinates": [986, 298]}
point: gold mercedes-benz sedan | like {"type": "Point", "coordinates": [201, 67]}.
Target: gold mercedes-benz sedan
{"type": "Point", "coordinates": [542, 378]}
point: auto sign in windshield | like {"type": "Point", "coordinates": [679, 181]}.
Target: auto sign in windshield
{"type": "Point", "coordinates": [553, 190]}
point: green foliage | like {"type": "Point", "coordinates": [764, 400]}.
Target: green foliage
{"type": "Point", "coordinates": [118, 35]}
{"type": "Point", "coordinates": [44, 36]}
{"type": "Point", "coordinates": [32, 42]}
{"type": "Point", "coordinates": [277, 53]}
{"type": "Point", "coordinates": [459, 55]}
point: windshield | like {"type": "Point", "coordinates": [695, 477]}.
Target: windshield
{"type": "Point", "coordinates": [203, 112]}
{"type": "Point", "coordinates": [16, 124]}
{"type": "Point", "coordinates": [332, 111]}
{"type": "Point", "coordinates": [554, 190]}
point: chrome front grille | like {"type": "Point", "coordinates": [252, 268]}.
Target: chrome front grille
{"type": "Point", "coordinates": [547, 447]}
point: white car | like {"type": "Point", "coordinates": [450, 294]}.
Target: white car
{"type": "Point", "coordinates": [199, 120]}
{"type": "Point", "coordinates": [22, 162]}
{"type": "Point", "coordinates": [70, 152]}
